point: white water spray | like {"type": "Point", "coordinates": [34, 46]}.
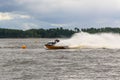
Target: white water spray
{"type": "Point", "coordinates": [86, 40]}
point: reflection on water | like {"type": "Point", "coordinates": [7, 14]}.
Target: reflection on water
{"type": "Point", "coordinates": [37, 63]}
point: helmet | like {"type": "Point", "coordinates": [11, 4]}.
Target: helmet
{"type": "Point", "coordinates": [57, 40]}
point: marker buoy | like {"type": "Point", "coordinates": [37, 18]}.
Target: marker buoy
{"type": "Point", "coordinates": [23, 46]}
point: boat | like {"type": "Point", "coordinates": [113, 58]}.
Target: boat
{"type": "Point", "coordinates": [51, 45]}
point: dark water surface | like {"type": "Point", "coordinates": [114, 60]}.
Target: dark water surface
{"type": "Point", "coordinates": [37, 63]}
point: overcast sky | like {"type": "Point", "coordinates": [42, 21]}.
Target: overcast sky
{"type": "Point", "coordinates": [26, 14]}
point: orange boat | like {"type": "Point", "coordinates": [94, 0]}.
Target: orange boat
{"type": "Point", "coordinates": [51, 45]}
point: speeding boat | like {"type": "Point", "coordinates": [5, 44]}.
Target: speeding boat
{"type": "Point", "coordinates": [51, 45]}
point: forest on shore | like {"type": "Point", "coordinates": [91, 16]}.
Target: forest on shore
{"type": "Point", "coordinates": [52, 32]}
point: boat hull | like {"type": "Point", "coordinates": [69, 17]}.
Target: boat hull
{"type": "Point", "coordinates": [55, 47]}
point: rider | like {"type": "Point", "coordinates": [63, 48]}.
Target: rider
{"type": "Point", "coordinates": [57, 40]}
{"type": "Point", "coordinates": [53, 43]}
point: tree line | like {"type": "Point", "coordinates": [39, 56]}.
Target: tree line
{"type": "Point", "coordinates": [52, 32]}
{"type": "Point", "coordinates": [36, 33]}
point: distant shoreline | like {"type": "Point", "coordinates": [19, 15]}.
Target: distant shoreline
{"type": "Point", "coordinates": [52, 32]}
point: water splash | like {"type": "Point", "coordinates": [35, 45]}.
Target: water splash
{"type": "Point", "coordinates": [86, 40]}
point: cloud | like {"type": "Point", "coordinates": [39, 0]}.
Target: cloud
{"type": "Point", "coordinates": [27, 26]}
{"type": "Point", "coordinates": [24, 16]}
{"type": "Point", "coordinates": [57, 13]}
{"type": "Point", "coordinates": [5, 16]}
{"type": "Point", "coordinates": [10, 16]}
{"type": "Point", "coordinates": [67, 11]}
{"type": "Point", "coordinates": [50, 6]}
{"type": "Point", "coordinates": [9, 6]}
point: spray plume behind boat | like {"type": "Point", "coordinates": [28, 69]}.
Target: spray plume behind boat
{"type": "Point", "coordinates": [86, 40]}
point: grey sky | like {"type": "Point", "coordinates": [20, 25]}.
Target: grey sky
{"type": "Point", "coordinates": [54, 13]}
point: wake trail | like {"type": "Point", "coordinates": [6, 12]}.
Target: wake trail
{"type": "Point", "coordinates": [98, 40]}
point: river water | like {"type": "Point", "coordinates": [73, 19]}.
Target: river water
{"type": "Point", "coordinates": [37, 63]}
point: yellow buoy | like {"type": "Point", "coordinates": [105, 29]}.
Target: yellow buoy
{"type": "Point", "coordinates": [23, 46]}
